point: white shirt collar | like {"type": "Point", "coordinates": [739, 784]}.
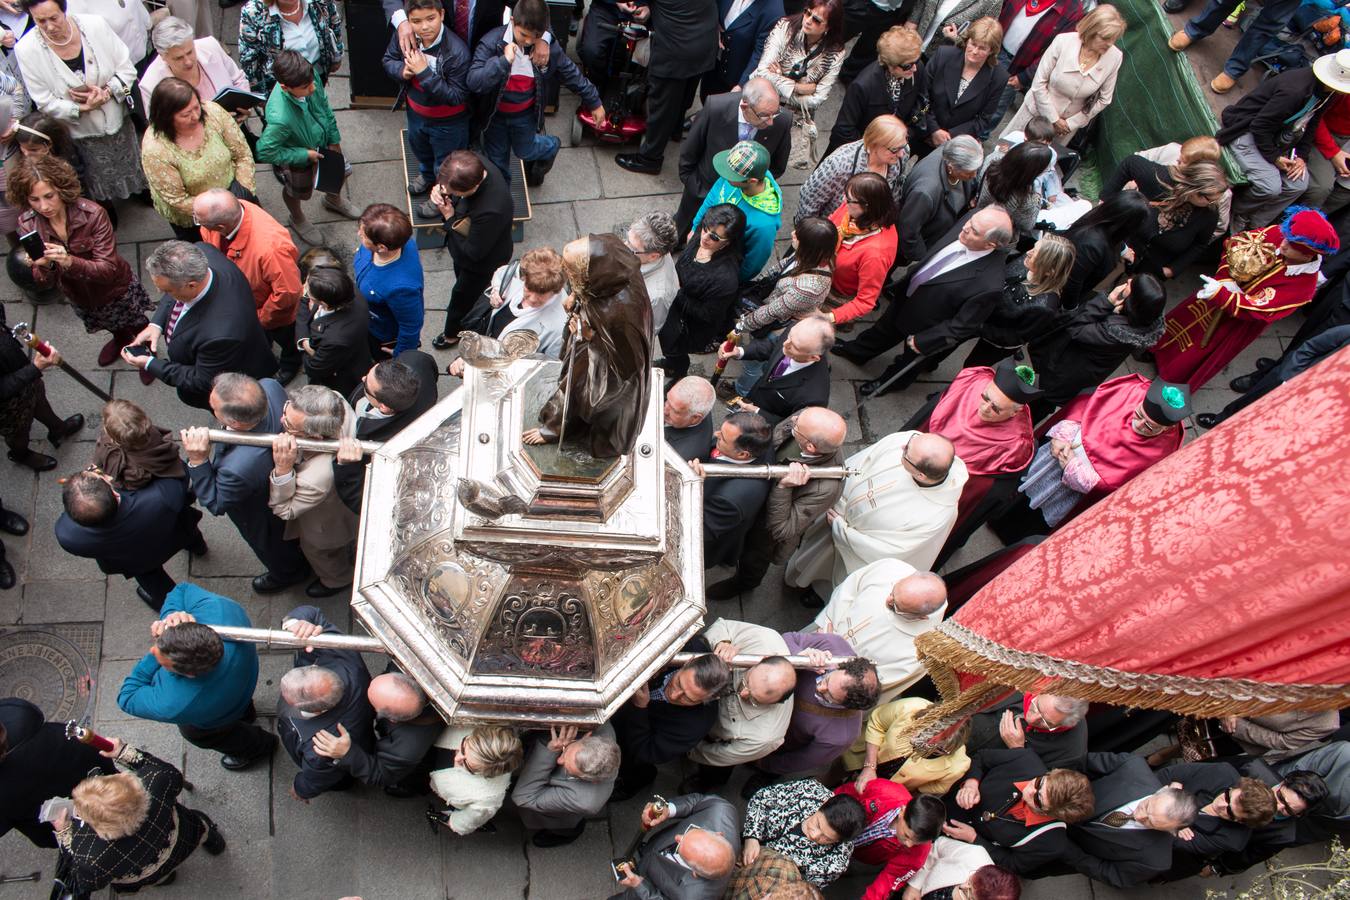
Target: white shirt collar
{"type": "Point", "coordinates": [210, 277]}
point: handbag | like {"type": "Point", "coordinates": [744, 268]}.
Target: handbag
{"type": "Point", "coordinates": [480, 316]}
{"type": "Point", "coordinates": [1196, 737]}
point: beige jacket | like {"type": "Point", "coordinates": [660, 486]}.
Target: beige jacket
{"type": "Point", "coordinates": [744, 731]}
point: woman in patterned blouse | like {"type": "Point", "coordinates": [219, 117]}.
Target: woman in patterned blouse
{"type": "Point", "coordinates": [805, 822]}
{"type": "Point", "coordinates": [129, 830]}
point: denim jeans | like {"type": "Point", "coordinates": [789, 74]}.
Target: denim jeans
{"type": "Point", "coordinates": [1274, 15]}
{"type": "Point", "coordinates": [751, 370]}
{"type": "Point", "coordinates": [1009, 94]}
{"type": "Point", "coordinates": [433, 140]}
{"type": "Point", "coordinates": [516, 131]}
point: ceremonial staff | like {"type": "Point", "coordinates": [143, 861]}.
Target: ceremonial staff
{"type": "Point", "coordinates": [732, 342]}
{"type": "Point", "coordinates": [24, 335]}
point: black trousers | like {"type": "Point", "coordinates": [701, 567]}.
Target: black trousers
{"type": "Point", "coordinates": [756, 553]}
{"type": "Point", "coordinates": [469, 286]}
{"type": "Point", "coordinates": [240, 738]}
{"type": "Point", "coordinates": [868, 21]}
{"type": "Point", "coordinates": [596, 47]}
{"type": "Point", "coordinates": [667, 99]}
{"type": "Point", "coordinates": [284, 337]}
{"type": "Point", "coordinates": [43, 412]}
{"type": "Point", "coordinates": [690, 201]}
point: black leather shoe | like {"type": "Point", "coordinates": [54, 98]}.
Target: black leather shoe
{"type": "Point", "coordinates": [38, 462]}
{"type": "Point", "coordinates": [215, 841]}
{"type": "Point", "coordinates": [727, 589]}
{"type": "Point", "coordinates": [549, 838]}
{"type": "Point", "coordinates": [13, 523]}
{"type": "Point", "coordinates": [239, 763]}
{"type": "Point", "coordinates": [874, 388]}
{"type": "Point", "coordinates": [444, 341]}
{"type": "Point", "coordinates": [69, 428]}
{"type": "Point", "coordinates": [634, 163]}
{"type": "Point", "coordinates": [536, 169]}
{"type": "Point", "coordinates": [1244, 383]}
{"type": "Point", "coordinates": [845, 349]}
{"type": "Point", "coordinates": [267, 583]}
{"type": "Point", "coordinates": [318, 590]}
{"type": "Point", "coordinates": [198, 546]}
{"type": "Point", "coordinates": [1206, 420]}
{"type": "Point", "coordinates": [7, 577]}
{"type": "Point", "coordinates": [149, 600]}
{"type": "Point", "coordinates": [399, 792]}
{"type": "Point", "coordinates": [1265, 363]}
{"type": "Point", "coordinates": [286, 376]}
{"type": "Point", "coordinates": [811, 600]}
{"type": "Point", "coordinates": [1174, 6]}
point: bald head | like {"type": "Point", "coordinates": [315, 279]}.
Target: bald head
{"type": "Point", "coordinates": [771, 681]}
{"type": "Point", "coordinates": [929, 458]}
{"type": "Point", "coordinates": [708, 853]}
{"type": "Point", "coordinates": [311, 690]}
{"type": "Point", "coordinates": [918, 595]}
{"type": "Point", "coordinates": [689, 401]}
{"type": "Point", "coordinates": [396, 697]}
{"type": "Point", "coordinates": [824, 429]}
{"type": "Point", "coordinates": [988, 229]}
{"type": "Point", "coordinates": [217, 210]}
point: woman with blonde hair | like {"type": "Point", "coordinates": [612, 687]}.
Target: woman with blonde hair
{"type": "Point", "coordinates": [882, 150]}
{"type": "Point", "coordinates": [891, 86]}
{"type": "Point", "coordinates": [476, 774]}
{"type": "Point", "coordinates": [1029, 305]}
{"type": "Point", "coordinates": [964, 85]}
{"type": "Point", "coordinates": [129, 830]}
{"type": "Point", "coordinates": [1184, 203]}
{"type": "Point", "coordinates": [1076, 78]}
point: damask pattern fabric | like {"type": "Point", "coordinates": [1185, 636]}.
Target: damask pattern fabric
{"type": "Point", "coordinates": [1213, 584]}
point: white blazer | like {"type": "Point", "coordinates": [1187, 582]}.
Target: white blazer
{"type": "Point", "coordinates": [107, 63]}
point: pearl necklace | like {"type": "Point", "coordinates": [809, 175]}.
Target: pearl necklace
{"type": "Point", "coordinates": [70, 37]}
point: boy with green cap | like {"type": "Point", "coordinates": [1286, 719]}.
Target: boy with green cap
{"type": "Point", "coordinates": [745, 182]}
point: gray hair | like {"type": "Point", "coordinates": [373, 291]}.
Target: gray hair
{"type": "Point", "coordinates": [963, 153]}
{"type": "Point", "coordinates": [311, 689]}
{"type": "Point", "coordinates": [597, 759]}
{"type": "Point", "coordinates": [696, 393]}
{"type": "Point", "coordinates": [179, 262]}
{"type": "Point", "coordinates": [657, 232]}
{"type": "Point", "coordinates": [757, 90]}
{"type": "Point", "coordinates": [216, 207]}
{"type": "Point", "coordinates": [1180, 806]}
{"type": "Point", "coordinates": [239, 398]}
{"type": "Point", "coordinates": [171, 32]}
{"type": "Point", "coordinates": [1072, 708]}
{"type": "Point", "coordinates": [323, 407]}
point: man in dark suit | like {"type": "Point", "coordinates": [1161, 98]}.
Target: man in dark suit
{"type": "Point", "coordinates": [684, 46]}
{"type": "Point", "coordinates": [130, 533]}
{"type": "Point", "coordinates": [689, 427]}
{"type": "Point", "coordinates": [730, 505]}
{"type": "Point", "coordinates": [1128, 839]}
{"type": "Point", "coordinates": [941, 302]}
{"type": "Point", "coordinates": [1016, 809]}
{"type": "Point", "coordinates": [1050, 724]}
{"type": "Point", "coordinates": [687, 853]}
{"type": "Point", "coordinates": [744, 26]}
{"type": "Point", "coordinates": [335, 344]}
{"type": "Point", "coordinates": [667, 717]}
{"type": "Point", "coordinates": [811, 438]}
{"type": "Point", "coordinates": [38, 762]}
{"type": "Point", "coordinates": [1231, 806]}
{"type": "Point", "coordinates": [752, 114]}
{"type": "Point", "coordinates": [796, 373]}
{"type": "Point", "coordinates": [393, 394]}
{"type": "Point", "coordinates": [326, 689]}
{"type": "Point", "coordinates": [235, 481]}
{"type": "Point", "coordinates": [207, 318]}
{"type": "Point", "coordinates": [564, 780]}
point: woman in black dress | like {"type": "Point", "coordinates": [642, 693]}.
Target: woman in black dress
{"type": "Point", "coordinates": [709, 271]}
{"type": "Point", "coordinates": [1099, 237]}
{"type": "Point", "coordinates": [1029, 304]}
{"type": "Point", "coordinates": [1183, 212]}
{"type": "Point", "coordinates": [1096, 340]}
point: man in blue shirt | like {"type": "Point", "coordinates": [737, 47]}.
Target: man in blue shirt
{"type": "Point", "coordinates": [197, 681]}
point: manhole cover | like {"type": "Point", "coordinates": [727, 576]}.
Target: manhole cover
{"type": "Point", "coordinates": [52, 668]}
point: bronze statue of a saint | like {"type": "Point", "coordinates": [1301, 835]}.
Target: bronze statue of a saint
{"type": "Point", "coordinates": [602, 393]}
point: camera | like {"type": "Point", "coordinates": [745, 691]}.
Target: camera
{"type": "Point", "coordinates": [797, 72]}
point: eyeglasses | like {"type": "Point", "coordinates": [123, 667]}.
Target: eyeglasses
{"type": "Point", "coordinates": [1035, 706]}
{"type": "Point", "coordinates": [1282, 805]}
{"type": "Point", "coordinates": [814, 18]}
{"type": "Point", "coordinates": [905, 67]}
{"type": "Point", "coordinates": [714, 236]}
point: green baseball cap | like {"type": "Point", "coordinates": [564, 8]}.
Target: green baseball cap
{"type": "Point", "coordinates": [744, 161]}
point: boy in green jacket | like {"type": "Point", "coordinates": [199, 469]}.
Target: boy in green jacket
{"type": "Point", "coordinates": [300, 125]}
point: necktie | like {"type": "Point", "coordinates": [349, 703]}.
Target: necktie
{"type": "Point", "coordinates": [1115, 819]}
{"type": "Point", "coordinates": [930, 271]}
{"type": "Point", "coordinates": [746, 132]}
{"type": "Point", "coordinates": [779, 369]}
{"type": "Point", "coordinates": [462, 19]}
{"type": "Point", "coordinates": [178, 307]}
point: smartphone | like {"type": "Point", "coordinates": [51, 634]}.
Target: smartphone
{"type": "Point", "coordinates": [32, 245]}
{"type": "Point", "coordinates": [139, 350]}
{"type": "Point", "coordinates": [52, 807]}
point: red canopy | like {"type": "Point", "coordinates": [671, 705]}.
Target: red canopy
{"type": "Point", "coordinates": [1215, 583]}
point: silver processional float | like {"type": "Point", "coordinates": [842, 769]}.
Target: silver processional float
{"type": "Point", "coordinates": [532, 583]}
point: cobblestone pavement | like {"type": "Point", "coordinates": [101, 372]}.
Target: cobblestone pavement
{"type": "Point", "coordinates": [362, 842]}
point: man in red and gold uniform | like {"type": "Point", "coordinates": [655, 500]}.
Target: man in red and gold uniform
{"type": "Point", "coordinates": [1266, 274]}
{"type": "Point", "coordinates": [899, 833]}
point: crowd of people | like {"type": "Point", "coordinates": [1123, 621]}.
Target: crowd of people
{"type": "Point", "coordinates": [920, 228]}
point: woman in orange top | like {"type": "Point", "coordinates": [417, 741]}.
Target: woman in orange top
{"type": "Point", "coordinates": [867, 246]}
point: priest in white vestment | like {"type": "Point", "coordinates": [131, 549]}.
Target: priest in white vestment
{"type": "Point", "coordinates": [880, 609]}
{"type": "Point", "coordinates": [900, 505]}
